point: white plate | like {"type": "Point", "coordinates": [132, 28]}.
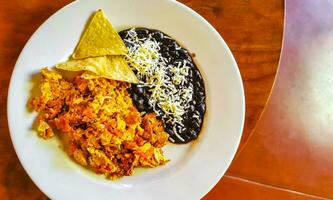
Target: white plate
{"type": "Point", "coordinates": [194, 168]}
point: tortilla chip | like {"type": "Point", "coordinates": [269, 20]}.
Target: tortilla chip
{"type": "Point", "coordinates": [99, 39]}
{"type": "Point", "coordinates": [111, 67]}
{"type": "Point", "coordinates": [89, 75]}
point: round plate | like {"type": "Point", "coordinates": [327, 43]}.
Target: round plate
{"type": "Point", "coordinates": [194, 168]}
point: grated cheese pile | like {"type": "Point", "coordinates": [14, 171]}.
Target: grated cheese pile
{"type": "Point", "coordinates": [167, 83]}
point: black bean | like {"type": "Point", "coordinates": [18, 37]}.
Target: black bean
{"type": "Point", "coordinates": [197, 113]}
{"type": "Point", "coordinates": [141, 105]}
{"type": "Point", "coordinates": [166, 54]}
{"type": "Point", "coordinates": [134, 97]}
{"type": "Point", "coordinates": [148, 107]}
{"type": "Point", "coordinates": [201, 107]}
{"type": "Point", "coordinates": [190, 85]}
{"type": "Point", "coordinates": [129, 45]}
{"type": "Point", "coordinates": [174, 54]}
{"type": "Point", "coordinates": [197, 74]}
{"type": "Point", "coordinates": [195, 125]}
{"type": "Point", "coordinates": [175, 62]}
{"type": "Point", "coordinates": [183, 54]}
{"type": "Point", "coordinates": [199, 120]}
{"type": "Point", "coordinates": [190, 64]}
{"type": "Point", "coordinates": [201, 93]}
{"type": "Point", "coordinates": [191, 108]}
{"type": "Point", "coordinates": [138, 90]}
{"type": "Point", "coordinates": [174, 47]}
{"type": "Point", "coordinates": [167, 41]}
{"type": "Point", "coordinates": [122, 34]}
{"type": "Point", "coordinates": [158, 35]}
{"type": "Point", "coordinates": [197, 86]}
{"type": "Point", "coordinates": [190, 74]}
{"type": "Point", "coordinates": [175, 139]}
{"type": "Point", "coordinates": [142, 33]}
{"type": "Point", "coordinates": [165, 49]}
{"type": "Point", "coordinates": [169, 131]}
{"type": "Point", "coordinates": [178, 128]}
{"type": "Point", "coordinates": [184, 129]}
{"type": "Point", "coordinates": [186, 138]}
{"type": "Point", "coordinates": [146, 95]}
{"type": "Point", "coordinates": [144, 79]}
{"type": "Point", "coordinates": [193, 133]}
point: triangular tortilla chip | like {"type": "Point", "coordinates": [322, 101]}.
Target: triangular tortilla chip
{"type": "Point", "coordinates": [111, 67]}
{"type": "Point", "coordinates": [99, 39]}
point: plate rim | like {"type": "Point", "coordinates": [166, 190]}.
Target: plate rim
{"type": "Point", "coordinates": [179, 4]}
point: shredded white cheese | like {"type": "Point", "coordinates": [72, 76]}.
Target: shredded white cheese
{"type": "Point", "coordinates": [152, 67]}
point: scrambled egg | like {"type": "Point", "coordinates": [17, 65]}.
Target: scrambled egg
{"type": "Point", "coordinates": [99, 124]}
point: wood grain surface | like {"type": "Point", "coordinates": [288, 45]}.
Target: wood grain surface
{"type": "Point", "coordinates": [291, 146]}
{"type": "Point", "coordinates": [252, 29]}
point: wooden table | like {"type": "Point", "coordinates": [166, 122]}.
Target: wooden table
{"type": "Point", "coordinates": [252, 29]}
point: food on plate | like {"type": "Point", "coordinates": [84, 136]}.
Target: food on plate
{"type": "Point", "coordinates": [170, 84]}
{"type": "Point", "coordinates": [99, 39]}
{"type": "Point", "coordinates": [132, 92]}
{"type": "Point", "coordinates": [99, 52]}
{"type": "Point", "coordinates": [111, 67]}
{"type": "Point", "coordinates": [98, 123]}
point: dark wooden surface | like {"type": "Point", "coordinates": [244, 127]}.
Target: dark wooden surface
{"type": "Point", "coordinates": [291, 147]}
{"type": "Point", "coordinates": [252, 29]}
